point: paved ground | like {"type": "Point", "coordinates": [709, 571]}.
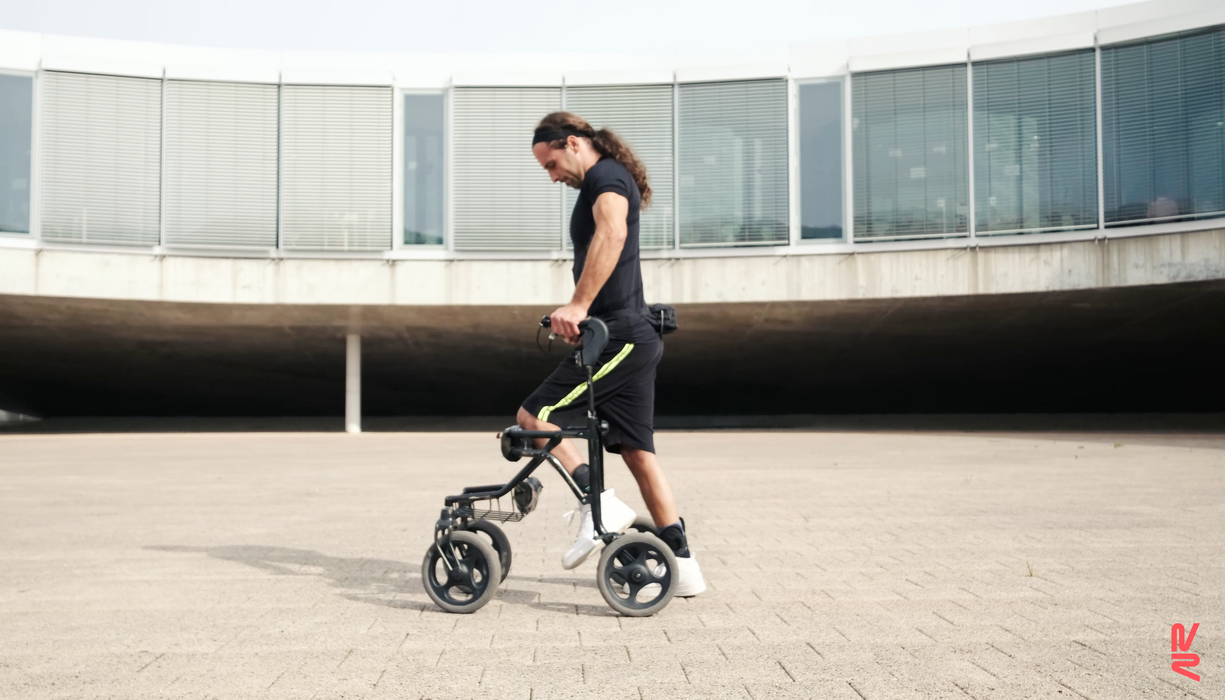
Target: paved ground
{"type": "Point", "coordinates": [841, 565]}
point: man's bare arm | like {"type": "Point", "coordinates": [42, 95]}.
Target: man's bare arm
{"type": "Point", "coordinates": [611, 211]}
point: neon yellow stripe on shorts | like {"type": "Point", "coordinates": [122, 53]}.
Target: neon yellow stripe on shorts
{"type": "Point", "coordinates": [578, 390]}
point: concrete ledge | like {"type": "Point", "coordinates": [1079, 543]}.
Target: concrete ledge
{"type": "Point", "coordinates": [1181, 424]}
{"type": "Point", "coordinates": [1046, 267]}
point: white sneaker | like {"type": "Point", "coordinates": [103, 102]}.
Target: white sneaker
{"type": "Point", "coordinates": [616, 516]}
{"type": "Point", "coordinates": [690, 581]}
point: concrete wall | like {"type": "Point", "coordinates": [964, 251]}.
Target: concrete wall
{"type": "Point", "coordinates": [1148, 260]}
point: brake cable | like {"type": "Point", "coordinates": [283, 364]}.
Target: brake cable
{"type": "Point", "coordinates": [552, 335]}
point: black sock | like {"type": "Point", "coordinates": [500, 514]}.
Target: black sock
{"type": "Point", "coordinates": [582, 477]}
{"type": "Point", "coordinates": [674, 536]}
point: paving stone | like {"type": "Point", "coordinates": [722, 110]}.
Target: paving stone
{"type": "Point", "coordinates": [862, 566]}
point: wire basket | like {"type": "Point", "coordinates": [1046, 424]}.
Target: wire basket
{"type": "Point", "coordinates": [490, 512]}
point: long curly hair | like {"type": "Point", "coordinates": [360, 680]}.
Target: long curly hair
{"type": "Point", "coordinates": [606, 143]}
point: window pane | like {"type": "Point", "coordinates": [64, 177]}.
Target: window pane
{"type": "Point", "coordinates": [821, 160]}
{"type": "Point", "coordinates": [1035, 143]}
{"type": "Point", "coordinates": [910, 150]}
{"type": "Point", "coordinates": [1163, 127]}
{"type": "Point", "coordinates": [733, 163]}
{"type": "Point", "coordinates": [423, 169]}
{"type": "Point", "coordinates": [16, 115]}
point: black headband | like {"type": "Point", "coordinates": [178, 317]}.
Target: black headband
{"type": "Point", "coordinates": [548, 134]}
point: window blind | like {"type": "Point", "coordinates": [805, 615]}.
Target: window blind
{"type": "Point", "coordinates": [732, 145]}
{"type": "Point", "coordinates": [1163, 127]}
{"type": "Point", "coordinates": [910, 153]}
{"type": "Point", "coordinates": [101, 159]}
{"type": "Point", "coordinates": [336, 161]}
{"type": "Point", "coordinates": [1035, 143]}
{"type": "Point", "coordinates": [221, 165]}
{"type": "Point", "coordinates": [642, 116]}
{"type": "Point", "coordinates": [504, 200]}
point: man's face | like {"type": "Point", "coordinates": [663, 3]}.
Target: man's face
{"type": "Point", "coordinates": [562, 164]}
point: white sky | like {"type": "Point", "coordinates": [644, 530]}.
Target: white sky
{"type": "Point", "coordinates": [512, 25]}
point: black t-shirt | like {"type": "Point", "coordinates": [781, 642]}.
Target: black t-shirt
{"type": "Point", "coordinates": [620, 302]}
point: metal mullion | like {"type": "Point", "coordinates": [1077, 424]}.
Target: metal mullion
{"type": "Point", "coordinates": [973, 225]}
{"type": "Point", "coordinates": [397, 168]}
{"type": "Point", "coordinates": [561, 191]}
{"type": "Point", "coordinates": [676, 164]}
{"type": "Point", "coordinates": [1101, 163]}
{"type": "Point", "coordinates": [161, 175]}
{"type": "Point", "coordinates": [36, 149]}
{"type": "Point", "coordinates": [848, 162]}
{"type": "Point", "coordinates": [793, 164]}
{"type": "Point", "coordinates": [280, 128]}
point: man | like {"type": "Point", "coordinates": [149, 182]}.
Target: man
{"type": "Point", "coordinates": [612, 186]}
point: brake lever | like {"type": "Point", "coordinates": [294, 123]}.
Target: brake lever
{"type": "Point", "coordinates": [546, 322]}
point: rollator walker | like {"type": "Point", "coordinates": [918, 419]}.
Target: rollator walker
{"type": "Point", "coordinates": [637, 572]}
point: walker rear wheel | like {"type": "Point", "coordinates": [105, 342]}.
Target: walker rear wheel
{"type": "Point", "coordinates": [637, 574]}
{"type": "Point", "coordinates": [464, 580]}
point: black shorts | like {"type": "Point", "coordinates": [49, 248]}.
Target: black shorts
{"type": "Point", "coordinates": [624, 382]}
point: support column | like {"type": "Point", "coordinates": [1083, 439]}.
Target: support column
{"type": "Point", "coordinates": [353, 383]}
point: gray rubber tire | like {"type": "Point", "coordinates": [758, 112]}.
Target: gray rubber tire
{"type": "Point", "coordinates": [462, 596]}
{"type": "Point", "coordinates": [642, 523]}
{"type": "Point", "coordinates": [501, 544]}
{"type": "Point", "coordinates": [646, 552]}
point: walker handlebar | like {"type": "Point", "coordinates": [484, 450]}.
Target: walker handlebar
{"type": "Point", "coordinates": [594, 338]}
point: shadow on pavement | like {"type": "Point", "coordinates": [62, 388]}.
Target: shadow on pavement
{"type": "Point", "coordinates": [376, 581]}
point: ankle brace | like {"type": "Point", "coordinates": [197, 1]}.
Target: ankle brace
{"type": "Point", "coordinates": [582, 477]}
{"type": "Point", "coordinates": [674, 536]}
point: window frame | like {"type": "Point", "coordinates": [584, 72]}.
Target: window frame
{"type": "Point", "coordinates": [1176, 35]}
{"type": "Point", "coordinates": [788, 163]}
{"type": "Point", "coordinates": [975, 231]}
{"type": "Point", "coordinates": [38, 152]}
{"type": "Point", "coordinates": [967, 145]}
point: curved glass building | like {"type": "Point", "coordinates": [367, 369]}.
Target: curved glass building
{"type": "Point", "coordinates": [205, 225]}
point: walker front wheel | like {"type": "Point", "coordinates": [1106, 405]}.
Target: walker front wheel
{"type": "Point", "coordinates": [637, 574]}
{"type": "Point", "coordinates": [501, 544]}
{"type": "Point", "coordinates": [643, 523]}
{"type": "Point", "coordinates": [466, 578]}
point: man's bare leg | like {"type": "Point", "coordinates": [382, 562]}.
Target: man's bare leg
{"type": "Point", "coordinates": [653, 484]}
{"type": "Point", "coordinates": [658, 496]}
{"type": "Point", "coordinates": [566, 451]}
